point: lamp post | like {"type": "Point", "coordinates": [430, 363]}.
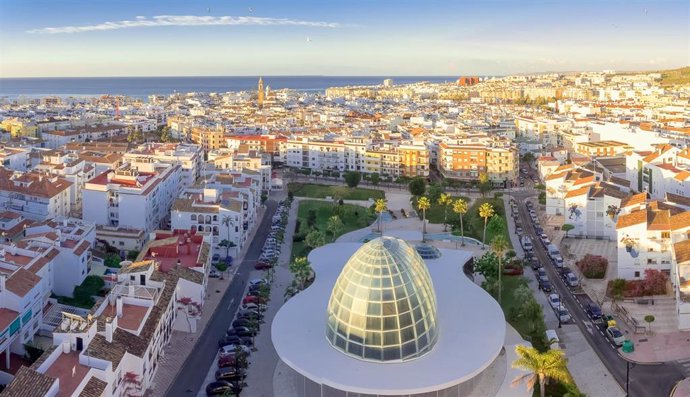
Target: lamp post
{"type": "Point", "coordinates": [559, 309]}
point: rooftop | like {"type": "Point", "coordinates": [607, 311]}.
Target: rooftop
{"type": "Point", "coordinates": [70, 372]}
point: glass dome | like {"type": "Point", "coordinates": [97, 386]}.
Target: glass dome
{"type": "Point", "coordinates": [383, 306]}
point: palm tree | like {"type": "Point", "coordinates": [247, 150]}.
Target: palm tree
{"type": "Point", "coordinates": [335, 225]}
{"type": "Point", "coordinates": [460, 208]}
{"type": "Point", "coordinates": [445, 200]}
{"type": "Point", "coordinates": [486, 211]}
{"type": "Point", "coordinates": [541, 367]}
{"type": "Point", "coordinates": [227, 221]}
{"type": "Point", "coordinates": [499, 245]}
{"type": "Point", "coordinates": [380, 206]}
{"type": "Point", "coordinates": [423, 204]}
{"type": "Point", "coordinates": [301, 268]}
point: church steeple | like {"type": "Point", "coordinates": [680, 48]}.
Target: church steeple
{"type": "Point", "coordinates": [261, 92]}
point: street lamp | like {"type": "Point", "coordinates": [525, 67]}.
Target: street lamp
{"type": "Point", "coordinates": [560, 304]}
{"type": "Point", "coordinates": [628, 364]}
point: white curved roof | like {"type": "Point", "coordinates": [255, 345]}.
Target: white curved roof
{"type": "Point", "coordinates": [383, 306]}
{"type": "Point", "coordinates": [471, 331]}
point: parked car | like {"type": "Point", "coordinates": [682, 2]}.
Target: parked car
{"type": "Point", "coordinates": [571, 280]}
{"type": "Point", "coordinates": [541, 272]}
{"type": "Point", "coordinates": [262, 265]}
{"type": "Point", "coordinates": [235, 340]}
{"type": "Point", "coordinates": [545, 284]}
{"type": "Point", "coordinates": [554, 300]}
{"type": "Point", "coordinates": [218, 388]}
{"type": "Point", "coordinates": [593, 311]}
{"type": "Point", "coordinates": [256, 281]}
{"type": "Point", "coordinates": [615, 335]}
{"type": "Point", "coordinates": [214, 273]}
{"type": "Point", "coordinates": [247, 313]}
{"type": "Point", "coordinates": [565, 271]}
{"type": "Point", "coordinates": [215, 258]}
{"type": "Point", "coordinates": [241, 331]}
{"type": "Point", "coordinates": [518, 231]}
{"type": "Point", "coordinates": [254, 299]}
{"type": "Point", "coordinates": [233, 349]}
{"type": "Point", "coordinates": [535, 263]}
{"type": "Point", "coordinates": [552, 339]}
{"type": "Point", "coordinates": [230, 374]}
{"type": "Point", "coordinates": [226, 361]}
{"type": "Point", "coordinates": [251, 306]}
{"type": "Point", "coordinates": [562, 313]}
{"type": "Point", "coordinates": [240, 323]}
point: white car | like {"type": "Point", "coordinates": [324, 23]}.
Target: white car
{"type": "Point", "coordinates": [615, 335]}
{"type": "Point", "coordinates": [230, 349]}
{"type": "Point", "coordinates": [562, 313]}
{"type": "Point", "coordinates": [256, 281]}
{"type": "Point", "coordinates": [554, 300]}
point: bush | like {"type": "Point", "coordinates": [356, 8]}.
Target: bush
{"type": "Point", "coordinates": [112, 260]}
{"type": "Point", "coordinates": [542, 198]}
{"type": "Point", "coordinates": [83, 294]}
{"type": "Point", "coordinates": [593, 266]}
{"type": "Point", "coordinates": [654, 283]}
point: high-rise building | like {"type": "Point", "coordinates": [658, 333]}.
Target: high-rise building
{"type": "Point", "coordinates": [260, 100]}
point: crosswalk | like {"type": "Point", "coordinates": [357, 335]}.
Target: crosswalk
{"type": "Point", "coordinates": [684, 366]}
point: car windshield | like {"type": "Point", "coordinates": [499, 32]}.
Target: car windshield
{"type": "Point", "coordinates": [616, 333]}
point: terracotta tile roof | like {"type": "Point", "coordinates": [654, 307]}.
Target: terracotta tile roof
{"type": "Point", "coordinates": [102, 349]}
{"type": "Point", "coordinates": [28, 383]}
{"type": "Point", "coordinates": [633, 218]}
{"type": "Point", "coordinates": [21, 282]}
{"type": "Point", "coordinates": [583, 180]}
{"type": "Point", "coordinates": [93, 388]}
{"type": "Point", "coordinates": [7, 316]}
{"type": "Point", "coordinates": [682, 251]}
{"type": "Point", "coordinates": [577, 192]}
{"type": "Point", "coordinates": [556, 176]}
{"type": "Point", "coordinates": [141, 266]}
{"type": "Point", "coordinates": [81, 248]}
{"type": "Point", "coordinates": [658, 220]}
{"type": "Point", "coordinates": [635, 199]}
{"type": "Point", "coordinates": [680, 221]}
{"type": "Point", "coordinates": [682, 175]}
{"type": "Point", "coordinates": [32, 184]}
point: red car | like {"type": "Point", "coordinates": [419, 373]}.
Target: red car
{"type": "Point", "coordinates": [226, 361]}
{"type": "Point", "coordinates": [262, 266]}
{"type": "Point", "coordinates": [253, 299]}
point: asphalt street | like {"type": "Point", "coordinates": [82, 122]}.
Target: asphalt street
{"type": "Point", "coordinates": [645, 379]}
{"type": "Point", "coordinates": [195, 368]}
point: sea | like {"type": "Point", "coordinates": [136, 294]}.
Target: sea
{"type": "Point", "coordinates": [141, 87]}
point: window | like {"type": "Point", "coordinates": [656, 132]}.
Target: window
{"type": "Point", "coordinates": [665, 234]}
{"type": "Point", "coordinates": [637, 274]}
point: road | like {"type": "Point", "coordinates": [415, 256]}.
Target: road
{"type": "Point", "coordinates": [645, 380]}
{"type": "Point", "coordinates": [195, 368]}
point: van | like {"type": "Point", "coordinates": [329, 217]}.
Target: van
{"type": "Point", "coordinates": [526, 244]}
{"type": "Point", "coordinates": [552, 339]}
{"type": "Point", "coordinates": [571, 280]}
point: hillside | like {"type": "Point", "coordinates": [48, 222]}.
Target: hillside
{"type": "Point", "coordinates": [675, 76]}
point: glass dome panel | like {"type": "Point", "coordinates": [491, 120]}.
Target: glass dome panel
{"type": "Point", "coordinates": [383, 306]}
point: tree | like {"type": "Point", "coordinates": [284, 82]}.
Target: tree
{"type": "Point", "coordinates": [375, 178]}
{"type": "Point", "coordinates": [499, 245]}
{"type": "Point", "coordinates": [314, 239]}
{"type": "Point", "coordinates": [445, 201]}
{"type": "Point", "coordinates": [165, 135]}
{"type": "Point", "coordinates": [135, 136]}
{"type": "Point", "coordinates": [335, 225]}
{"type": "Point", "coordinates": [352, 178]}
{"type": "Point", "coordinates": [112, 260]}
{"type": "Point", "coordinates": [311, 217]}
{"type": "Point", "coordinates": [649, 319]}
{"type": "Point", "coordinates": [486, 211]}
{"type": "Point", "coordinates": [222, 267]}
{"type": "Point", "coordinates": [435, 192]}
{"type": "Point", "coordinates": [551, 364]}
{"type": "Point", "coordinates": [496, 225]}
{"type": "Point", "coordinates": [528, 157]}
{"type": "Point", "coordinates": [291, 195]}
{"type": "Point", "coordinates": [423, 204]}
{"type": "Point", "coordinates": [566, 228]}
{"type": "Point", "coordinates": [417, 186]}
{"type": "Point", "coordinates": [301, 268]}
{"type": "Point", "coordinates": [484, 183]}
{"type": "Point", "coordinates": [380, 206]}
{"type": "Point", "coordinates": [227, 244]}
{"type": "Point", "coordinates": [460, 208]}
{"type": "Point", "coordinates": [227, 222]}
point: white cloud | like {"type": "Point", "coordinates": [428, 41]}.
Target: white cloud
{"type": "Point", "coordinates": [186, 20]}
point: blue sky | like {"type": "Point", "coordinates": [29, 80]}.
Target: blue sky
{"type": "Point", "coordinates": [331, 37]}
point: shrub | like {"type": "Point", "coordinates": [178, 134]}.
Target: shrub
{"type": "Point", "coordinates": [593, 266]}
{"type": "Point", "coordinates": [654, 282]}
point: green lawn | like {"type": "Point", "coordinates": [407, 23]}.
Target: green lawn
{"type": "Point", "coordinates": [510, 284]}
{"type": "Point", "coordinates": [474, 224]}
{"type": "Point", "coordinates": [353, 216]}
{"type": "Point", "coordinates": [435, 213]}
{"type": "Point", "coordinates": [342, 192]}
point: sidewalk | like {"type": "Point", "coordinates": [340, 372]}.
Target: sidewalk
{"type": "Point", "coordinates": [661, 347]}
{"type": "Point", "coordinates": [588, 371]}
{"type": "Point", "coordinates": [182, 343]}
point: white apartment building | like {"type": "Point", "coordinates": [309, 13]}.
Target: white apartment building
{"type": "Point", "coordinates": [233, 160]}
{"type": "Point", "coordinates": [116, 349]}
{"type": "Point", "coordinates": [190, 157]}
{"type": "Point", "coordinates": [73, 239]}
{"type": "Point", "coordinates": [666, 169]}
{"type": "Point", "coordinates": [15, 158]}
{"type": "Point", "coordinates": [34, 196]}
{"type": "Point", "coordinates": [70, 167]}
{"type": "Point", "coordinates": [132, 197]}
